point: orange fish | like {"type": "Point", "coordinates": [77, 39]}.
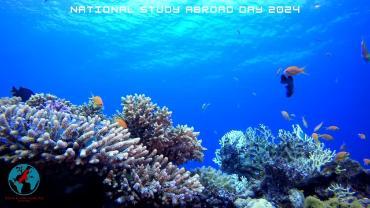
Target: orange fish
{"type": "Point", "coordinates": [121, 122]}
{"type": "Point", "coordinates": [326, 136]}
{"type": "Point", "coordinates": [97, 101]}
{"type": "Point", "coordinates": [332, 128]}
{"type": "Point", "coordinates": [340, 156]}
{"type": "Point", "coordinates": [294, 70]}
{"type": "Point", "coordinates": [365, 54]}
{"type": "Point", "coordinates": [318, 127]}
{"type": "Point", "coordinates": [366, 161]}
{"type": "Point", "coordinates": [361, 136]}
{"type": "Point", "coordinates": [315, 137]}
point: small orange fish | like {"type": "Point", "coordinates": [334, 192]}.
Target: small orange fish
{"type": "Point", "coordinates": [340, 156]}
{"type": "Point", "coordinates": [318, 127]}
{"type": "Point", "coordinates": [332, 128]}
{"type": "Point", "coordinates": [366, 161]}
{"type": "Point", "coordinates": [97, 101]}
{"type": "Point", "coordinates": [326, 136]}
{"type": "Point", "coordinates": [362, 136]}
{"type": "Point", "coordinates": [315, 137]}
{"type": "Point", "coordinates": [294, 70]}
{"type": "Point", "coordinates": [121, 122]}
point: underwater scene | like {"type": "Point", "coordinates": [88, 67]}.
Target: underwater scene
{"type": "Point", "coordinates": [179, 103]}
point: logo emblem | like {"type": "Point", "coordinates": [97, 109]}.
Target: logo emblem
{"type": "Point", "coordinates": [23, 179]}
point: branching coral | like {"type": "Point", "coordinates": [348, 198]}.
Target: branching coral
{"type": "Point", "coordinates": [50, 102]}
{"type": "Point", "coordinates": [279, 163]}
{"type": "Point", "coordinates": [82, 143]}
{"type": "Point", "coordinates": [247, 153]}
{"type": "Point", "coordinates": [223, 183]}
{"type": "Point", "coordinates": [154, 126]}
{"type": "Point", "coordinates": [306, 155]}
{"type": "Point", "coordinates": [10, 101]}
{"type": "Point", "coordinates": [344, 194]}
{"type": "Point", "coordinates": [221, 189]}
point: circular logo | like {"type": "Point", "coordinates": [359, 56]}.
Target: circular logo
{"type": "Point", "coordinates": [23, 179]}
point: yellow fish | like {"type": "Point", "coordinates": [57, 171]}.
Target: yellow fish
{"type": "Point", "coordinates": [340, 156]}
{"type": "Point", "coordinates": [362, 136]}
{"type": "Point", "coordinates": [332, 128]}
{"type": "Point", "coordinates": [326, 136]}
{"type": "Point", "coordinates": [318, 127]}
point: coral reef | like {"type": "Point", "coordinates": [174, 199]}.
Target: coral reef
{"type": "Point", "coordinates": [221, 189]}
{"type": "Point", "coordinates": [339, 179]}
{"type": "Point", "coordinates": [134, 163]}
{"type": "Point", "coordinates": [344, 194]}
{"type": "Point", "coordinates": [246, 154]}
{"type": "Point", "coordinates": [154, 126]}
{"type": "Point", "coordinates": [48, 131]}
{"type": "Point", "coordinates": [287, 163]}
{"type": "Point", "coordinates": [296, 198]}
{"type": "Point", "coordinates": [280, 163]}
{"type": "Point", "coordinates": [253, 203]}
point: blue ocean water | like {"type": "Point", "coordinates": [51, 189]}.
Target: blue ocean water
{"type": "Point", "coordinates": [183, 61]}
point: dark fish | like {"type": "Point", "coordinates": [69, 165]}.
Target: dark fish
{"type": "Point", "coordinates": [22, 92]}
{"type": "Point", "coordinates": [288, 81]}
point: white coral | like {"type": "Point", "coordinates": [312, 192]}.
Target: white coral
{"type": "Point", "coordinates": [343, 193]}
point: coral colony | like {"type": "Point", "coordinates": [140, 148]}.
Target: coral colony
{"type": "Point", "coordinates": [135, 162]}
